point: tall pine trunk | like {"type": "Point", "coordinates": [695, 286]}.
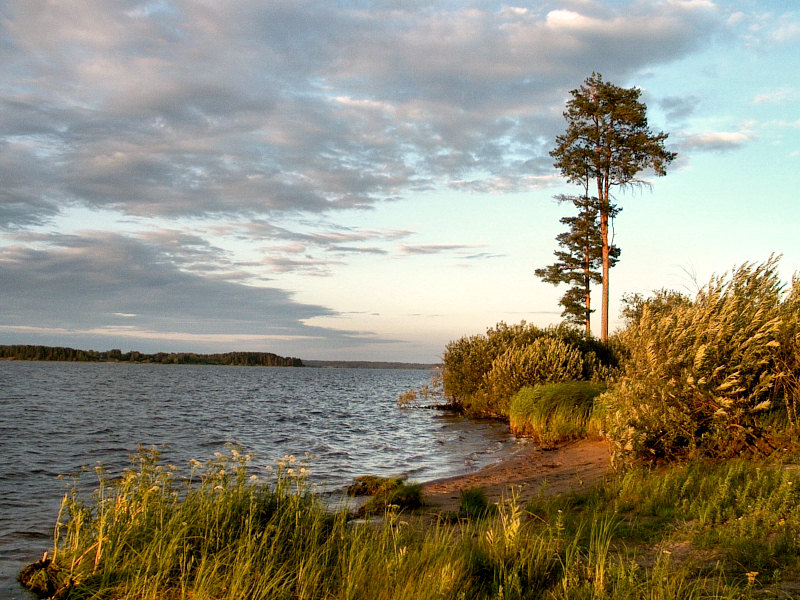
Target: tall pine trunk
{"type": "Point", "coordinates": [602, 194]}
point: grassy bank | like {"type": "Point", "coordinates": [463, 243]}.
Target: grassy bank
{"type": "Point", "coordinates": [699, 530]}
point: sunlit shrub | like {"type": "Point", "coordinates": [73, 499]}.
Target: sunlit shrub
{"type": "Point", "coordinates": [546, 360]}
{"type": "Point", "coordinates": [482, 372]}
{"type": "Point", "coordinates": [700, 373]}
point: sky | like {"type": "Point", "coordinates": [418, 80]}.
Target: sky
{"type": "Point", "coordinates": [366, 179]}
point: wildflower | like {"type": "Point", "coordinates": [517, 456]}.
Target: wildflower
{"type": "Point", "coordinates": [253, 477]}
{"type": "Point", "coordinates": [194, 463]}
{"type": "Point", "coordinates": [290, 472]}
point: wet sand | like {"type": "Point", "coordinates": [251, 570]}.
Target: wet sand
{"type": "Point", "coordinates": [570, 467]}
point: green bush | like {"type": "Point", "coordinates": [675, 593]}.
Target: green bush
{"type": "Point", "coordinates": [369, 485]}
{"type": "Point", "coordinates": [546, 360]}
{"type": "Point", "coordinates": [700, 373]}
{"type": "Point", "coordinates": [554, 413]}
{"type": "Point", "coordinates": [480, 373]}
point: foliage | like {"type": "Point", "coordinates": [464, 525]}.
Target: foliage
{"type": "Point", "coordinates": [480, 373]}
{"type": "Point", "coordinates": [700, 374]}
{"type": "Point", "coordinates": [608, 141]}
{"type": "Point", "coordinates": [369, 485]}
{"type": "Point", "coordinates": [395, 495]}
{"type": "Point", "coordinates": [555, 412]}
{"type": "Point", "coordinates": [428, 396]}
{"type": "Point", "coordinates": [546, 360]}
{"type": "Point", "coordinates": [579, 259]}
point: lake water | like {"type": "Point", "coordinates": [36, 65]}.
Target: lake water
{"type": "Point", "coordinates": [56, 418]}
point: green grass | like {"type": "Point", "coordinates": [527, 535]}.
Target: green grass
{"type": "Point", "coordinates": [370, 485]}
{"type": "Point", "coordinates": [553, 413]}
{"type": "Point", "coordinates": [699, 530]}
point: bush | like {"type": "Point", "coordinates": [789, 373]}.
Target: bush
{"type": "Point", "coordinates": [369, 485]}
{"type": "Point", "coordinates": [700, 373]}
{"type": "Point", "coordinates": [480, 373]}
{"type": "Point", "coordinates": [545, 360]}
{"type": "Point", "coordinates": [555, 412]}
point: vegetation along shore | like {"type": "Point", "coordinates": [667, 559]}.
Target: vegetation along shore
{"type": "Point", "coordinates": [672, 473]}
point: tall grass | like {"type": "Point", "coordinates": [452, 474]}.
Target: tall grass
{"type": "Point", "coordinates": [221, 533]}
{"type": "Point", "coordinates": [700, 374]}
{"type": "Point", "coordinates": [555, 412]}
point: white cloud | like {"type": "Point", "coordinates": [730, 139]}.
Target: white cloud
{"type": "Point", "coordinates": [716, 140]}
{"type": "Point", "coordinates": [786, 32]}
{"type": "Point", "coordinates": [776, 96]}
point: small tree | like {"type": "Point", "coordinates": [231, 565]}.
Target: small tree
{"type": "Point", "coordinates": [608, 141]}
{"type": "Point", "coordinates": [579, 260]}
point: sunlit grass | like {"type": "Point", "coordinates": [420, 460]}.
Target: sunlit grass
{"type": "Point", "coordinates": [699, 530]}
{"type": "Point", "coordinates": [553, 413]}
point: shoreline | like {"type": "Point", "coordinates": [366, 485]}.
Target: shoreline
{"type": "Point", "coordinates": [572, 466]}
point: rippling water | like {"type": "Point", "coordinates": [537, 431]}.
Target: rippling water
{"type": "Point", "coordinates": [56, 418]}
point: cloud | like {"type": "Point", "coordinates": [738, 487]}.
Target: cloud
{"type": "Point", "coordinates": [181, 108]}
{"type": "Point", "coordinates": [678, 108]}
{"type": "Point", "coordinates": [89, 281]}
{"type": "Point", "coordinates": [787, 31]}
{"type": "Point", "coordinates": [717, 141]}
{"type": "Point", "coordinates": [423, 249]}
{"type": "Point", "coordinates": [775, 97]}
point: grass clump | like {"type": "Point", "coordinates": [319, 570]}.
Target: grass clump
{"type": "Point", "coordinates": [387, 493]}
{"type": "Point", "coordinates": [554, 413]}
{"type": "Point", "coordinates": [709, 376]}
{"type": "Point", "coordinates": [370, 485]}
{"type": "Point", "coordinates": [474, 504]}
{"type": "Point", "coordinates": [403, 496]}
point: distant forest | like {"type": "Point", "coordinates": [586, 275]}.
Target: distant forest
{"type": "Point", "coordinates": [245, 359]}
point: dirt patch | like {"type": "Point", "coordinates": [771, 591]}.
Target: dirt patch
{"type": "Point", "coordinates": [570, 467]}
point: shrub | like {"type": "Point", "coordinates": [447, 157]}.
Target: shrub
{"type": "Point", "coordinates": [545, 360]}
{"type": "Point", "coordinates": [480, 373]}
{"type": "Point", "coordinates": [369, 485]}
{"type": "Point", "coordinates": [554, 413]}
{"type": "Point", "coordinates": [699, 373]}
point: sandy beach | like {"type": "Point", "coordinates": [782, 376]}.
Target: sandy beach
{"type": "Point", "coordinates": [567, 468]}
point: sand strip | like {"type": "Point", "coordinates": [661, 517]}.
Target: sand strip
{"type": "Point", "coordinates": [573, 466]}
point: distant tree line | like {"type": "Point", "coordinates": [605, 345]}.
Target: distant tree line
{"type": "Point", "coordinates": [249, 359]}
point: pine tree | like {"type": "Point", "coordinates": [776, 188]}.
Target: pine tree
{"type": "Point", "coordinates": [579, 259]}
{"type": "Point", "coordinates": [608, 141]}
